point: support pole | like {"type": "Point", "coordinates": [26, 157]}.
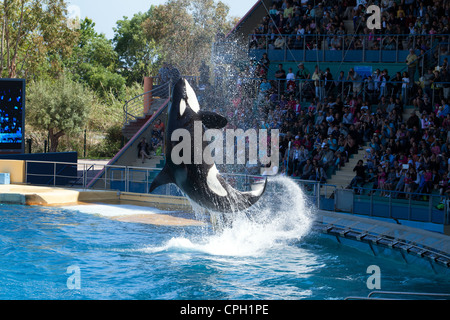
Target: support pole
{"type": "Point", "coordinates": [148, 86]}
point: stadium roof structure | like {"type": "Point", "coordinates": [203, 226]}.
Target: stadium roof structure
{"type": "Point", "coordinates": [250, 20]}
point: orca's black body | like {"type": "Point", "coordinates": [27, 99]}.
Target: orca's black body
{"type": "Point", "coordinates": [202, 183]}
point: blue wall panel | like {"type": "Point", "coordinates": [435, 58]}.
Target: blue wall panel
{"type": "Point", "coordinates": [42, 173]}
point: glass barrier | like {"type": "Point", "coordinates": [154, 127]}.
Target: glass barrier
{"type": "Point", "coordinates": [342, 47]}
{"type": "Point", "coordinates": [413, 206]}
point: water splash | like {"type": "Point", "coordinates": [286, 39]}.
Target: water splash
{"type": "Point", "coordinates": [280, 218]}
{"type": "Point", "coordinates": [114, 210]}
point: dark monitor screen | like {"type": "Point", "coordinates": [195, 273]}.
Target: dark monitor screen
{"type": "Point", "coordinates": [12, 115]}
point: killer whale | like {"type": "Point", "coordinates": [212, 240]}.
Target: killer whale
{"type": "Point", "coordinates": [202, 183]}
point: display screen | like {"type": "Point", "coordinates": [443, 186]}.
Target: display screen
{"type": "Point", "coordinates": [12, 111]}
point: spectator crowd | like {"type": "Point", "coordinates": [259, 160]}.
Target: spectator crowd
{"type": "Point", "coordinates": [324, 118]}
{"type": "Point", "coordinates": [300, 24]}
{"type": "Point", "coordinates": [408, 154]}
{"type": "Point", "coordinates": [404, 155]}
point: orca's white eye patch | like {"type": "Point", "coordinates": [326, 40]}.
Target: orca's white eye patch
{"type": "Point", "coordinates": [182, 107]}
{"type": "Point", "coordinates": [191, 98]}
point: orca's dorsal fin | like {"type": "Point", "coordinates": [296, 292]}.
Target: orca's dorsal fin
{"type": "Point", "coordinates": [164, 177]}
{"type": "Point", "coordinates": [212, 120]}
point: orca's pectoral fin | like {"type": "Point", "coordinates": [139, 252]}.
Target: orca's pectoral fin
{"type": "Point", "coordinates": [164, 177]}
{"type": "Point", "coordinates": [212, 120]}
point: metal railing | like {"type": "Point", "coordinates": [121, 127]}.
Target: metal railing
{"type": "Point", "coordinates": [401, 295]}
{"type": "Point", "coordinates": [410, 294]}
{"type": "Point", "coordinates": [76, 175]}
{"type": "Point", "coordinates": [135, 108]}
{"type": "Point", "coordinates": [398, 206]}
{"type": "Point", "coordinates": [412, 206]}
{"type": "Point", "coordinates": [369, 89]}
{"type": "Point", "coordinates": [341, 47]}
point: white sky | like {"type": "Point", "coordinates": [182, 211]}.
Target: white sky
{"type": "Point", "coordinates": [105, 13]}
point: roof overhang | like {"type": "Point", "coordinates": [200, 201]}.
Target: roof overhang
{"type": "Point", "coordinates": [251, 20]}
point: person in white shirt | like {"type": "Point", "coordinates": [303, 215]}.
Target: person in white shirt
{"type": "Point", "coordinates": [365, 106]}
{"type": "Point", "coordinates": [290, 75]}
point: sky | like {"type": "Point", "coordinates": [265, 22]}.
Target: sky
{"type": "Point", "coordinates": [105, 13]}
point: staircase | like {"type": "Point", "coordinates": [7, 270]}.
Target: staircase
{"type": "Point", "coordinates": [343, 177]}
{"type": "Point", "coordinates": [140, 175]}
{"type": "Point", "coordinates": [141, 108]}
{"type": "Point", "coordinates": [140, 172]}
{"type": "Point", "coordinates": [348, 26]}
{"type": "Point", "coordinates": [155, 162]}
{"type": "Point", "coordinates": [139, 116]}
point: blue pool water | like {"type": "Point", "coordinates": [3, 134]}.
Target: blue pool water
{"type": "Point", "coordinates": [278, 258]}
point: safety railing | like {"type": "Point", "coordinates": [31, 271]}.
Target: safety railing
{"type": "Point", "coordinates": [395, 205]}
{"type": "Point", "coordinates": [391, 204]}
{"type": "Point", "coordinates": [401, 295]}
{"type": "Point", "coordinates": [340, 47]}
{"type": "Point", "coordinates": [445, 296]}
{"type": "Point", "coordinates": [80, 175]}
{"type": "Point", "coordinates": [242, 182]}
{"type": "Point", "coordinates": [371, 89]}
{"type": "Point", "coordinates": [399, 205]}
{"type": "Point", "coordinates": [135, 108]}
{"type": "Point", "coordinates": [316, 193]}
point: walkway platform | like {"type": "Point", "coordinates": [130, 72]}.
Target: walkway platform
{"type": "Point", "coordinates": [50, 196]}
{"type": "Point", "coordinates": [61, 197]}
{"type": "Point", "coordinates": [387, 239]}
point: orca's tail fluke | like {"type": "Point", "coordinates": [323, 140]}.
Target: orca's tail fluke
{"type": "Point", "coordinates": [257, 192]}
{"type": "Point", "coordinates": [249, 198]}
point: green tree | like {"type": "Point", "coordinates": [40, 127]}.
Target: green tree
{"type": "Point", "coordinates": [59, 107]}
{"type": "Point", "coordinates": [95, 62]}
{"type": "Point", "coordinates": [35, 37]}
{"type": "Point", "coordinates": [185, 30]}
{"type": "Point", "coordinates": [137, 52]}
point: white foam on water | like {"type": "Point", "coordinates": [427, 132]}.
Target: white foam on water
{"type": "Point", "coordinates": [110, 210]}
{"type": "Point", "coordinates": [279, 218]}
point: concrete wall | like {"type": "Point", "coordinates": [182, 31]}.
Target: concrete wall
{"type": "Point", "coordinates": [15, 168]}
{"type": "Point", "coordinates": [42, 173]}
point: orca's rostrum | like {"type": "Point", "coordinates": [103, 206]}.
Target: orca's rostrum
{"type": "Point", "coordinates": [201, 182]}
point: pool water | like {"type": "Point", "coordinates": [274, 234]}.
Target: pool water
{"type": "Point", "coordinates": [277, 257]}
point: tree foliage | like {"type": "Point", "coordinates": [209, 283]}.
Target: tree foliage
{"type": "Point", "coordinates": [59, 107]}
{"type": "Point", "coordinates": [185, 30]}
{"type": "Point", "coordinates": [77, 78]}
{"type": "Point", "coordinates": [35, 37]}
{"type": "Point", "coordinates": [94, 61]}
{"type": "Point", "coordinates": [138, 54]}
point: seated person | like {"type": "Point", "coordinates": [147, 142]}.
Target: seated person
{"type": "Point", "coordinates": [143, 149]}
{"type": "Point", "coordinates": [158, 128]}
